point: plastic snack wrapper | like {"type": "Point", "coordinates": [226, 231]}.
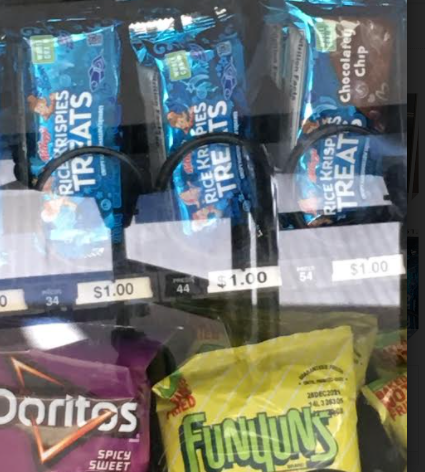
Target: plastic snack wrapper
{"type": "Point", "coordinates": [81, 405]}
{"type": "Point", "coordinates": [70, 87]}
{"type": "Point", "coordinates": [389, 398]}
{"type": "Point", "coordinates": [390, 355]}
{"type": "Point", "coordinates": [288, 403]}
{"type": "Point", "coordinates": [364, 329]}
{"type": "Point", "coordinates": [353, 46]}
{"type": "Point", "coordinates": [193, 81]}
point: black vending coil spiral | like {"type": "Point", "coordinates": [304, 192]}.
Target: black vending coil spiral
{"type": "Point", "coordinates": [67, 156]}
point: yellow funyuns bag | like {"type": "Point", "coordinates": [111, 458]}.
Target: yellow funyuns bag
{"type": "Point", "coordinates": [283, 405]}
{"type": "Point", "coordinates": [364, 329]}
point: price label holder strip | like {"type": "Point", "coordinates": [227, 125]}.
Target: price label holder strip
{"type": "Point", "coordinates": [174, 285]}
{"type": "Point", "coordinates": [323, 273]}
{"type": "Point", "coordinates": [44, 294]}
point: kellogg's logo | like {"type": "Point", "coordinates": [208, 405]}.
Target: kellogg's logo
{"type": "Point", "coordinates": [312, 165]}
{"type": "Point", "coordinates": [309, 205]}
{"type": "Point", "coordinates": [43, 144]}
{"type": "Point", "coordinates": [187, 164]}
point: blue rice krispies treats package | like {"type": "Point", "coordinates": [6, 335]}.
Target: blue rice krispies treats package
{"type": "Point", "coordinates": [197, 82]}
{"type": "Point", "coordinates": [337, 67]}
{"type": "Point", "coordinates": [71, 84]}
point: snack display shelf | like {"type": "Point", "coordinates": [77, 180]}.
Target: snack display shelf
{"type": "Point", "coordinates": [203, 252]}
{"type": "Point", "coordinates": [338, 276]}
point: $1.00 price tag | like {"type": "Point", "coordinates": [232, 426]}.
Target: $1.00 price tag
{"type": "Point", "coordinates": [374, 267]}
{"type": "Point", "coordinates": [108, 291]}
{"type": "Point", "coordinates": [249, 279]}
{"type": "Point", "coordinates": [12, 300]}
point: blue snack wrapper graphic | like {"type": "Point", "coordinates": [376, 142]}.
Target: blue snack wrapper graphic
{"type": "Point", "coordinates": [71, 87]}
{"type": "Point", "coordinates": [202, 90]}
{"type": "Point", "coordinates": [338, 67]}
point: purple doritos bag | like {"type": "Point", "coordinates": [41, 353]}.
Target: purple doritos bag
{"type": "Point", "coordinates": [80, 407]}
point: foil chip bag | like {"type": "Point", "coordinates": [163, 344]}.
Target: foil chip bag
{"type": "Point", "coordinates": [285, 404]}
{"type": "Point", "coordinates": [389, 398]}
{"type": "Point", "coordinates": [390, 355]}
{"type": "Point", "coordinates": [364, 329]}
{"type": "Point", "coordinates": [76, 408]}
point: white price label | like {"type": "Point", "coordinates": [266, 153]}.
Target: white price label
{"type": "Point", "coordinates": [108, 291]}
{"type": "Point", "coordinates": [249, 279]}
{"type": "Point", "coordinates": [374, 267]}
{"type": "Point", "coordinates": [12, 300]}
